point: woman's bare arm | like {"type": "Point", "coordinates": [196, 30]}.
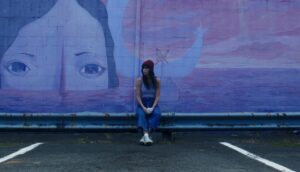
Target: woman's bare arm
{"type": "Point", "coordinates": [138, 85]}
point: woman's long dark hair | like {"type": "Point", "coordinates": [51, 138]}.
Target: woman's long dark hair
{"type": "Point", "coordinates": [151, 76]}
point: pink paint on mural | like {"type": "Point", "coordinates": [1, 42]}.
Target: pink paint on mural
{"type": "Point", "coordinates": [211, 55]}
{"type": "Point", "coordinates": [237, 33]}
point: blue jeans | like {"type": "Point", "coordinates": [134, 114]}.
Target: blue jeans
{"type": "Point", "coordinates": [148, 122]}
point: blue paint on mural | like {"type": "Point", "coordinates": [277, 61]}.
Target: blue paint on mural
{"type": "Point", "coordinates": [55, 50]}
{"type": "Point", "coordinates": [211, 56]}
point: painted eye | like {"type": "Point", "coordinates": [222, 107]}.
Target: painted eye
{"type": "Point", "coordinates": [17, 68]}
{"type": "Point", "coordinates": [92, 70]}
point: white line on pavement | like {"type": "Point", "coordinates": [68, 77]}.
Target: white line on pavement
{"type": "Point", "coordinates": [20, 152]}
{"type": "Point", "coordinates": [258, 158]}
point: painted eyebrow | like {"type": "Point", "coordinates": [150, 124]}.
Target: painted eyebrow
{"type": "Point", "coordinates": [28, 54]}
{"type": "Point", "coordinates": [82, 53]}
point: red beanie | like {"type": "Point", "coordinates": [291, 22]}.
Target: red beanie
{"type": "Point", "coordinates": [148, 63]}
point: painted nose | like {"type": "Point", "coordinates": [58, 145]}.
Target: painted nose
{"type": "Point", "coordinates": [62, 86]}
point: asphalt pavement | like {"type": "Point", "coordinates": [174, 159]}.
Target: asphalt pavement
{"type": "Point", "coordinates": [119, 151]}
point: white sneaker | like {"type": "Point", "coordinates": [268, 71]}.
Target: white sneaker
{"type": "Point", "coordinates": [147, 140]}
{"type": "Point", "coordinates": [142, 141]}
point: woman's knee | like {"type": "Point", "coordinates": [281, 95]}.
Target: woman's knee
{"type": "Point", "coordinates": [156, 112]}
{"type": "Point", "coordinates": [140, 112]}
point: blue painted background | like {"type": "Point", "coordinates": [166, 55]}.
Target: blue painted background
{"type": "Point", "coordinates": [211, 56]}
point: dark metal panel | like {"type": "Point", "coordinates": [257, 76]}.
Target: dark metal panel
{"type": "Point", "coordinates": [171, 121]}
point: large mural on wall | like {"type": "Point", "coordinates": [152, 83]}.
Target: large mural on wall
{"type": "Point", "coordinates": [211, 56]}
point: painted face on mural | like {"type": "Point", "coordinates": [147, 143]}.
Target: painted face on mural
{"type": "Point", "coordinates": [64, 49]}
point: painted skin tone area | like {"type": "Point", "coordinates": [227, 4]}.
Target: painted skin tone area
{"type": "Point", "coordinates": [63, 50]}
